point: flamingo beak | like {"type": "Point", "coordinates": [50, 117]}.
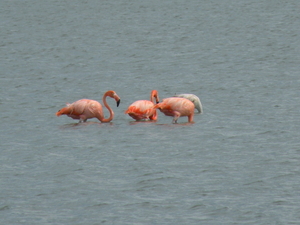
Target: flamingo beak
{"type": "Point", "coordinates": [118, 102]}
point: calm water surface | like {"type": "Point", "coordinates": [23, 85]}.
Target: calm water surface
{"type": "Point", "coordinates": [237, 164]}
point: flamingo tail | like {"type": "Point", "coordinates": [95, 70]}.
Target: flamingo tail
{"type": "Point", "coordinates": [65, 110]}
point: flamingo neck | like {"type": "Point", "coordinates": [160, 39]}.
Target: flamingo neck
{"type": "Point", "coordinates": [152, 97]}
{"type": "Point", "coordinates": [111, 113]}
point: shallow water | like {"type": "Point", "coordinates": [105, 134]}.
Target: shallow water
{"type": "Point", "coordinates": [237, 164]}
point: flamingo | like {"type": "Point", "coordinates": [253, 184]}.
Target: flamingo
{"type": "Point", "coordinates": [194, 98]}
{"type": "Point", "coordinates": [143, 109]}
{"type": "Point", "coordinates": [176, 107]}
{"type": "Point", "coordinates": [84, 109]}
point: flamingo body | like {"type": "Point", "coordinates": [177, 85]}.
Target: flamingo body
{"type": "Point", "coordinates": [176, 107]}
{"type": "Point", "coordinates": [143, 109]}
{"type": "Point", "coordinates": [195, 99]}
{"type": "Point", "coordinates": [84, 109]}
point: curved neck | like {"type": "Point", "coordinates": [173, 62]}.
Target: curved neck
{"type": "Point", "coordinates": [152, 96]}
{"type": "Point", "coordinates": [111, 113]}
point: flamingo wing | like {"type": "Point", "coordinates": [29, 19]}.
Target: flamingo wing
{"type": "Point", "coordinates": [80, 106]}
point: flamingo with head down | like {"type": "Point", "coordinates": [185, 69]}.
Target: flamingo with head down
{"type": "Point", "coordinates": [176, 107]}
{"type": "Point", "coordinates": [143, 109]}
{"type": "Point", "coordinates": [86, 109]}
{"type": "Point", "coordinates": [195, 99]}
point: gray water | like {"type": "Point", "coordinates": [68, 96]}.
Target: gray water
{"type": "Point", "coordinates": [237, 164]}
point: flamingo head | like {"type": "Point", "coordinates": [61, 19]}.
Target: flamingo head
{"type": "Point", "coordinates": [154, 94]}
{"type": "Point", "coordinates": [114, 95]}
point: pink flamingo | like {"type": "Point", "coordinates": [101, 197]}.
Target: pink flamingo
{"type": "Point", "coordinates": [86, 109]}
{"type": "Point", "coordinates": [176, 107]}
{"type": "Point", "coordinates": [143, 109]}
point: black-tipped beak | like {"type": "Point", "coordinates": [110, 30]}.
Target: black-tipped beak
{"type": "Point", "coordinates": [157, 102]}
{"type": "Point", "coordinates": [118, 102]}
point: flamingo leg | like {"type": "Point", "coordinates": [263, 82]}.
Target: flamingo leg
{"type": "Point", "coordinates": [190, 118]}
{"type": "Point", "coordinates": [176, 116]}
{"type": "Point", "coordinates": [82, 119]}
{"type": "Point", "coordinates": [154, 116]}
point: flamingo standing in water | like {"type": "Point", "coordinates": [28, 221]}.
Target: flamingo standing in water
{"type": "Point", "coordinates": [195, 99]}
{"type": "Point", "coordinates": [143, 109]}
{"type": "Point", "coordinates": [176, 107]}
{"type": "Point", "coordinates": [86, 109]}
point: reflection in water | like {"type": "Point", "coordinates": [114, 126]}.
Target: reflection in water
{"type": "Point", "coordinates": [142, 122]}
{"type": "Point", "coordinates": [77, 125]}
{"type": "Point", "coordinates": [177, 124]}
{"type": "Point", "coordinates": [164, 124]}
